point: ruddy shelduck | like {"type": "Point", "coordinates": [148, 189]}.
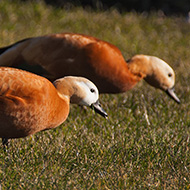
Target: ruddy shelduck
{"type": "Point", "coordinates": [30, 103]}
{"type": "Point", "coordinates": [58, 55]}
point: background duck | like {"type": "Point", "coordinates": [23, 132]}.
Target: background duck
{"type": "Point", "coordinates": [58, 55]}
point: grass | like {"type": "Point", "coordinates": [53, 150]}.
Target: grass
{"type": "Point", "coordinates": [145, 142]}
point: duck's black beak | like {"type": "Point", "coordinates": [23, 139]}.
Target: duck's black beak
{"type": "Point", "coordinates": [171, 93]}
{"type": "Point", "coordinates": [98, 109]}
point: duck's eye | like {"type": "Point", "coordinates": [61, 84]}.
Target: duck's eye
{"type": "Point", "coordinates": [92, 90]}
{"type": "Point", "coordinates": [169, 75]}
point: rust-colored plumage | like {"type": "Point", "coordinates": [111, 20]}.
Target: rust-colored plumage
{"type": "Point", "coordinates": [58, 55]}
{"type": "Point", "coordinates": [30, 103]}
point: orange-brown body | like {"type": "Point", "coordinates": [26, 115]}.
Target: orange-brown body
{"type": "Point", "coordinates": [28, 104]}
{"type": "Point", "coordinates": [65, 54]}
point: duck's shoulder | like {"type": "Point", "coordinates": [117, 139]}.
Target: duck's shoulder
{"type": "Point", "coordinates": [19, 81]}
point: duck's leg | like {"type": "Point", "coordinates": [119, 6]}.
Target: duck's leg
{"type": "Point", "coordinates": [5, 143]}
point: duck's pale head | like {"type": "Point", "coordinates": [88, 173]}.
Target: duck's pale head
{"type": "Point", "coordinates": [155, 72]}
{"type": "Point", "coordinates": [81, 91]}
{"type": "Point", "coordinates": [162, 76]}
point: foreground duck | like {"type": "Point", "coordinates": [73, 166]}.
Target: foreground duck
{"type": "Point", "coordinates": [30, 103]}
{"type": "Point", "coordinates": [58, 55]}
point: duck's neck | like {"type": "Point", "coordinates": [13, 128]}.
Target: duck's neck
{"type": "Point", "coordinates": [64, 89]}
{"type": "Point", "coordinates": [134, 71]}
{"type": "Point", "coordinates": [59, 106]}
{"type": "Point", "coordinates": [59, 111]}
{"type": "Point", "coordinates": [139, 66]}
